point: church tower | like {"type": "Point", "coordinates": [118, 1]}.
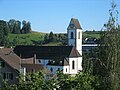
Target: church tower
{"type": "Point", "coordinates": [74, 32]}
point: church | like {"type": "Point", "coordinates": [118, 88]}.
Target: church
{"type": "Point", "coordinates": [67, 59]}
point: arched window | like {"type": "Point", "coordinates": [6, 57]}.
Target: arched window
{"type": "Point", "coordinates": [73, 64]}
{"type": "Point", "coordinates": [71, 35]}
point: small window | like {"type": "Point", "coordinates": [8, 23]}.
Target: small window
{"type": "Point", "coordinates": [73, 64]}
{"type": "Point", "coordinates": [66, 69]}
{"type": "Point", "coordinates": [78, 35]}
{"type": "Point", "coordinates": [8, 76]}
{"type": "Point", "coordinates": [71, 35]}
{"type": "Point", "coordinates": [2, 64]}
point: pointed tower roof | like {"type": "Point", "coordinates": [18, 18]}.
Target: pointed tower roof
{"type": "Point", "coordinates": [74, 22]}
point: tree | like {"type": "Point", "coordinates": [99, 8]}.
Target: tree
{"type": "Point", "coordinates": [51, 37]}
{"type": "Point", "coordinates": [46, 39]}
{"type": "Point", "coordinates": [15, 26]}
{"type": "Point", "coordinates": [11, 24]}
{"type": "Point", "coordinates": [4, 30]}
{"type": "Point", "coordinates": [26, 28]}
{"type": "Point", "coordinates": [109, 52]}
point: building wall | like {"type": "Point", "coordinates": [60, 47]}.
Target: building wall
{"type": "Point", "coordinates": [66, 70]}
{"type": "Point", "coordinates": [8, 69]}
{"type": "Point", "coordinates": [54, 68]}
{"type": "Point", "coordinates": [75, 70]}
{"type": "Point", "coordinates": [43, 61]}
{"type": "Point", "coordinates": [79, 41]}
{"type": "Point", "coordinates": [79, 62]}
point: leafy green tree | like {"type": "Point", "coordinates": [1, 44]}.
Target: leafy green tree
{"type": "Point", "coordinates": [86, 81]}
{"type": "Point", "coordinates": [64, 81]}
{"type": "Point", "coordinates": [110, 52]}
{"type": "Point", "coordinates": [35, 81]}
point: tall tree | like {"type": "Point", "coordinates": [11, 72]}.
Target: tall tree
{"type": "Point", "coordinates": [11, 24]}
{"type": "Point", "coordinates": [51, 36]}
{"type": "Point", "coordinates": [4, 30]}
{"type": "Point", "coordinates": [110, 52]}
{"type": "Point", "coordinates": [26, 27]}
{"type": "Point", "coordinates": [15, 26]}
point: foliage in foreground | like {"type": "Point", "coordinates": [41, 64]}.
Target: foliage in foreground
{"type": "Point", "coordinates": [37, 81]}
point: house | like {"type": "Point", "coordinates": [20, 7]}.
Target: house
{"type": "Point", "coordinates": [68, 59]}
{"type": "Point", "coordinates": [12, 65]}
{"type": "Point", "coordinates": [9, 65]}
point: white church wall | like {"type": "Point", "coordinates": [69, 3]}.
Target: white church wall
{"type": "Point", "coordinates": [79, 41]}
{"type": "Point", "coordinates": [79, 63]}
{"type": "Point", "coordinates": [75, 70]}
{"type": "Point", "coordinates": [66, 69]}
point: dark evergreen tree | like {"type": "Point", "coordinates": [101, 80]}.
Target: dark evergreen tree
{"type": "Point", "coordinates": [46, 39]}
{"type": "Point", "coordinates": [26, 28]}
{"type": "Point", "coordinates": [4, 30]}
{"type": "Point", "coordinates": [51, 37]}
{"type": "Point", "coordinates": [11, 24]}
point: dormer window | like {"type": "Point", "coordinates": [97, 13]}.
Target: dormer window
{"type": "Point", "coordinates": [71, 35]}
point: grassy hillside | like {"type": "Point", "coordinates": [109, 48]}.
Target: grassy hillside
{"type": "Point", "coordinates": [26, 39]}
{"type": "Point", "coordinates": [91, 34]}
{"type": "Point", "coordinates": [35, 38]}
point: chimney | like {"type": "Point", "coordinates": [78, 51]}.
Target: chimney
{"type": "Point", "coordinates": [34, 59]}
